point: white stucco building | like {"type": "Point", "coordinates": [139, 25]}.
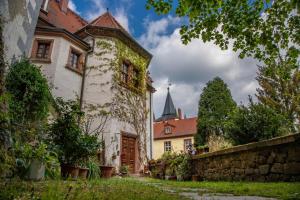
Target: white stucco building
{"type": "Point", "coordinates": [86, 61]}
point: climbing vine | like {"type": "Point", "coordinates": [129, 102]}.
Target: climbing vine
{"type": "Point", "coordinates": [128, 103]}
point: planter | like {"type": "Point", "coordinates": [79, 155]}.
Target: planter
{"type": "Point", "coordinates": [195, 177]}
{"type": "Point", "coordinates": [69, 171]}
{"type": "Point", "coordinates": [170, 178]}
{"type": "Point", "coordinates": [83, 173]}
{"type": "Point", "coordinates": [36, 170]}
{"type": "Point", "coordinates": [106, 171]}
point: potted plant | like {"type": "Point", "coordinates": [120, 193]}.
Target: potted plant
{"type": "Point", "coordinates": [124, 170]}
{"type": "Point", "coordinates": [73, 146]}
{"type": "Point", "coordinates": [170, 174]}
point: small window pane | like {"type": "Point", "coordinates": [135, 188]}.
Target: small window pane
{"type": "Point", "coordinates": [43, 50]}
{"type": "Point", "coordinates": [168, 146]}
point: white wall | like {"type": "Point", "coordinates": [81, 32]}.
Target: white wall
{"type": "Point", "coordinates": [97, 90]}
{"type": "Point", "coordinates": [64, 82]}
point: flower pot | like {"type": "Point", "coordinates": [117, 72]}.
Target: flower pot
{"type": "Point", "coordinates": [69, 171]}
{"type": "Point", "coordinates": [170, 177]}
{"type": "Point", "coordinates": [83, 172]}
{"type": "Point", "coordinates": [106, 171]}
{"type": "Point", "coordinates": [36, 170]}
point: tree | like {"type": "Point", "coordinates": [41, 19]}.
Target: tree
{"type": "Point", "coordinates": [264, 29]}
{"type": "Point", "coordinates": [254, 123]}
{"type": "Point", "coordinates": [214, 106]}
{"type": "Point", "coordinates": [280, 90]}
{"type": "Point", "coordinates": [267, 30]}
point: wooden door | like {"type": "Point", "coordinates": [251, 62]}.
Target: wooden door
{"type": "Point", "coordinates": [128, 152]}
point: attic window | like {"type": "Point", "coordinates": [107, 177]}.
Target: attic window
{"type": "Point", "coordinates": [168, 130]}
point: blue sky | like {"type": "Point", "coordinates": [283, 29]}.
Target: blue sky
{"type": "Point", "coordinates": [134, 10]}
{"type": "Point", "coordinates": [187, 67]}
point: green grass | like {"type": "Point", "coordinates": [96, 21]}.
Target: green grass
{"type": "Point", "coordinates": [112, 189]}
{"type": "Point", "coordinates": [280, 190]}
{"type": "Point", "coordinates": [130, 188]}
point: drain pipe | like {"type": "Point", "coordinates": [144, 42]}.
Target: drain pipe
{"type": "Point", "coordinates": [84, 72]}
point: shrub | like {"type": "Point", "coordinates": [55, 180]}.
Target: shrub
{"type": "Point", "coordinates": [254, 123]}
{"type": "Point", "coordinates": [73, 146]}
{"type": "Point", "coordinates": [29, 90]}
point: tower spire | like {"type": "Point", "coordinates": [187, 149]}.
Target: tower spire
{"type": "Point", "coordinates": [169, 109]}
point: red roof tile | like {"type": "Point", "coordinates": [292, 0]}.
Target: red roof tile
{"type": "Point", "coordinates": [69, 20]}
{"type": "Point", "coordinates": [107, 20]}
{"type": "Point", "coordinates": [180, 128]}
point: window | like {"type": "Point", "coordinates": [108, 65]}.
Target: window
{"type": "Point", "coordinates": [125, 72]}
{"type": "Point", "coordinates": [135, 78]}
{"type": "Point", "coordinates": [187, 144]}
{"type": "Point", "coordinates": [43, 50]}
{"type": "Point", "coordinates": [168, 146]}
{"type": "Point", "coordinates": [74, 59]}
{"type": "Point", "coordinates": [168, 130]}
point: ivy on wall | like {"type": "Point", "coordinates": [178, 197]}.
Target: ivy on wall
{"type": "Point", "coordinates": [128, 103]}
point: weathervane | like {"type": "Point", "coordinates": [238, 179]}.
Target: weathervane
{"type": "Point", "coordinates": [169, 85]}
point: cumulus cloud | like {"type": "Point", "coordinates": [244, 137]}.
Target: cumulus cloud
{"type": "Point", "coordinates": [73, 7]}
{"type": "Point", "coordinates": [122, 18]}
{"type": "Point", "coordinates": [190, 67]}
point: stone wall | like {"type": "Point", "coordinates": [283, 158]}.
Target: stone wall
{"type": "Point", "coordinates": [277, 159]}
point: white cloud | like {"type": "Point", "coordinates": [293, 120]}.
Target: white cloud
{"type": "Point", "coordinates": [96, 9]}
{"type": "Point", "coordinates": [190, 67]}
{"type": "Point", "coordinates": [73, 7]}
{"type": "Point", "coordinates": [122, 18]}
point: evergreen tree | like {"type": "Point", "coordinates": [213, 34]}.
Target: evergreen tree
{"type": "Point", "coordinates": [214, 106]}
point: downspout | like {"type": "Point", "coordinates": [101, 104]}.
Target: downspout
{"type": "Point", "coordinates": [151, 125]}
{"type": "Point", "coordinates": [84, 72]}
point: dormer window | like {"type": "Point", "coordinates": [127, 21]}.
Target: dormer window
{"type": "Point", "coordinates": [168, 130]}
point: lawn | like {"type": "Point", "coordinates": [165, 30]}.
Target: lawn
{"type": "Point", "coordinates": [130, 188]}
{"type": "Point", "coordinates": [111, 189]}
{"type": "Point", "coordinates": [280, 190]}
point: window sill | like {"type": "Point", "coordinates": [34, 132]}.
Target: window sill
{"type": "Point", "coordinates": [128, 86]}
{"type": "Point", "coordinates": [77, 71]}
{"type": "Point", "coordinates": [41, 60]}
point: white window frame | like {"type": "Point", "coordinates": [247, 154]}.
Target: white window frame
{"type": "Point", "coordinates": [167, 146]}
{"type": "Point", "coordinates": [186, 144]}
{"type": "Point", "coordinates": [168, 130]}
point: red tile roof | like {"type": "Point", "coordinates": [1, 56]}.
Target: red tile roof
{"type": "Point", "coordinates": [180, 128]}
{"type": "Point", "coordinates": [69, 20]}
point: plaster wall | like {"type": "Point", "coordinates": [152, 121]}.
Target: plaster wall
{"type": "Point", "coordinates": [97, 91]}
{"type": "Point", "coordinates": [176, 143]}
{"type": "Point", "coordinates": [64, 82]}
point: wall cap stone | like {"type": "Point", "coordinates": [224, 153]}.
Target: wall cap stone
{"type": "Point", "coordinates": [252, 146]}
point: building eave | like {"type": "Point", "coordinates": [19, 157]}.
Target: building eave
{"type": "Point", "coordinates": [115, 33]}
{"type": "Point", "coordinates": [54, 31]}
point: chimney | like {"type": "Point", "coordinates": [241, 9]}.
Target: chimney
{"type": "Point", "coordinates": [63, 4]}
{"type": "Point", "coordinates": [179, 113]}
